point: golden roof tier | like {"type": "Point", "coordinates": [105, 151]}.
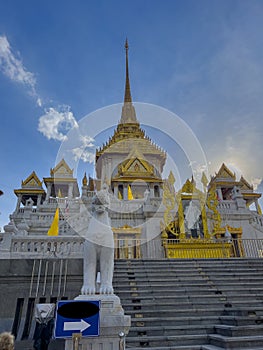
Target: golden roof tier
{"type": "Point", "coordinates": [32, 188]}
{"type": "Point", "coordinates": [225, 180]}
{"type": "Point", "coordinates": [128, 135]}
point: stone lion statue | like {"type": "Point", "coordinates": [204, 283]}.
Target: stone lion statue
{"type": "Point", "coordinates": [98, 247]}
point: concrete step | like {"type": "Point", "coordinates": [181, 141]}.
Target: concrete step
{"type": "Point", "coordinates": [210, 347]}
{"type": "Point", "coordinates": [151, 341]}
{"type": "Point", "coordinates": [162, 285]}
{"type": "Point", "coordinates": [171, 330]}
{"type": "Point", "coordinates": [163, 291]}
{"type": "Point", "coordinates": [176, 347]}
{"type": "Point", "coordinates": [245, 342]}
{"type": "Point", "coordinates": [175, 299]}
{"type": "Point", "coordinates": [203, 298]}
{"type": "Point", "coordinates": [238, 331]}
{"type": "Point", "coordinates": [184, 302]}
{"type": "Point", "coordinates": [179, 312]}
{"type": "Point", "coordinates": [166, 276]}
{"type": "Point", "coordinates": [242, 320]}
{"type": "Point", "coordinates": [163, 320]}
{"type": "Point", "coordinates": [166, 305]}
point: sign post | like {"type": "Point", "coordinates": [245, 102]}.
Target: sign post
{"type": "Point", "coordinates": [77, 317]}
{"type": "Point", "coordinates": [76, 338]}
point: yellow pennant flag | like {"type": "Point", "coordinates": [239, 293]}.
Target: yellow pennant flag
{"type": "Point", "coordinates": [130, 196]}
{"type": "Point", "coordinates": [119, 195]}
{"type": "Point", "coordinates": [53, 230]}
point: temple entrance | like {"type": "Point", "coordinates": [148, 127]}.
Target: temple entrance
{"type": "Point", "coordinates": [127, 242]}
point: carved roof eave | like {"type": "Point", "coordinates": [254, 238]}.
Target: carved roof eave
{"type": "Point", "coordinates": [224, 182]}
{"type": "Point", "coordinates": [29, 191]}
{"type": "Point", "coordinates": [249, 195]}
{"type": "Point", "coordinates": [235, 230]}
{"type": "Point", "coordinates": [127, 230]}
{"type": "Point", "coordinates": [136, 178]}
{"type": "Point", "coordinates": [150, 148]}
{"type": "Point", "coordinates": [59, 180]}
{"type": "Point", "coordinates": [245, 185]}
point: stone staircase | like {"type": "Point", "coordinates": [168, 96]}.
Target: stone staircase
{"type": "Point", "coordinates": [192, 304]}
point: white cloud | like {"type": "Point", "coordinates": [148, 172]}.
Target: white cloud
{"type": "Point", "coordinates": [85, 151]}
{"type": "Point", "coordinates": [11, 65]}
{"type": "Point", "coordinates": [256, 182]}
{"type": "Point", "coordinates": [55, 124]}
{"type": "Point", "coordinates": [84, 155]}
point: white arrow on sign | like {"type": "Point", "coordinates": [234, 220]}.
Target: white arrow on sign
{"type": "Point", "coordinates": [75, 326]}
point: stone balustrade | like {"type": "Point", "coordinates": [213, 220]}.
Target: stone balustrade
{"type": "Point", "coordinates": [226, 205]}
{"type": "Point", "coordinates": [72, 247]}
{"type": "Point", "coordinates": [257, 221]}
{"type": "Point", "coordinates": [44, 247]}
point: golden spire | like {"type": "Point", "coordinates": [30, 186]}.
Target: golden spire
{"type": "Point", "coordinates": [127, 96]}
{"type": "Point", "coordinates": [128, 114]}
{"type": "Point", "coordinates": [84, 180]}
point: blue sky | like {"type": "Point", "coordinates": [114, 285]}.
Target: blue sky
{"type": "Point", "coordinates": [61, 60]}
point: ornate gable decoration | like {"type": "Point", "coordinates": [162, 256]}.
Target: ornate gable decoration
{"type": "Point", "coordinates": [32, 181]}
{"type": "Point", "coordinates": [189, 190]}
{"type": "Point", "coordinates": [225, 173]}
{"type": "Point", "coordinates": [188, 187]}
{"type": "Point", "coordinates": [245, 185]}
{"type": "Point", "coordinates": [135, 167]}
{"type": "Point", "coordinates": [61, 170]}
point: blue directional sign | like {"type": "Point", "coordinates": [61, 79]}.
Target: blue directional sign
{"type": "Point", "coordinates": [77, 316]}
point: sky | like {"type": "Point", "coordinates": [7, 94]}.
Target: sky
{"type": "Point", "coordinates": [62, 60]}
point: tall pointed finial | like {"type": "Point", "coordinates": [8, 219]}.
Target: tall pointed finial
{"type": "Point", "coordinates": [127, 96]}
{"type": "Point", "coordinates": [128, 114]}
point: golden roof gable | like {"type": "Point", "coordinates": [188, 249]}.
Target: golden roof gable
{"type": "Point", "coordinates": [32, 181]}
{"type": "Point", "coordinates": [61, 170]}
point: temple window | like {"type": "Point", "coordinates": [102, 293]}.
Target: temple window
{"type": "Point", "coordinates": [120, 191]}
{"type": "Point", "coordinates": [156, 191]}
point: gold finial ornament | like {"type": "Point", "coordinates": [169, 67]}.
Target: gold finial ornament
{"type": "Point", "coordinates": [127, 96]}
{"type": "Point", "coordinates": [84, 180]}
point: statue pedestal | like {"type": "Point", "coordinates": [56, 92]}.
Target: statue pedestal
{"type": "Point", "coordinates": [112, 323]}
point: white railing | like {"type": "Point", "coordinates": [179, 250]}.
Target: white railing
{"type": "Point", "coordinates": [226, 205]}
{"type": "Point", "coordinates": [72, 247]}
{"type": "Point", "coordinates": [257, 221]}
{"type": "Point", "coordinates": [53, 247]}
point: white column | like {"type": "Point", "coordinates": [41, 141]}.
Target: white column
{"type": "Point", "coordinates": [48, 191]}
{"type": "Point", "coordinates": [125, 191]}
{"type": "Point", "coordinates": [70, 190]}
{"type": "Point", "coordinates": [219, 192]}
{"type": "Point", "coordinates": [38, 199]}
{"type": "Point", "coordinates": [258, 207]}
{"type": "Point", "coordinates": [19, 198]}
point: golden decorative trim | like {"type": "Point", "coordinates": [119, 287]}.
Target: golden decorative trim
{"type": "Point", "coordinates": [32, 179]}
{"type": "Point", "coordinates": [126, 229]}
{"type": "Point", "coordinates": [29, 191]}
{"type": "Point", "coordinates": [61, 168]}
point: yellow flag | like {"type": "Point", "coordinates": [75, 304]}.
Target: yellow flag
{"type": "Point", "coordinates": [259, 210]}
{"type": "Point", "coordinates": [130, 196]}
{"type": "Point", "coordinates": [53, 230]}
{"type": "Point", "coordinates": [119, 195]}
{"type": "Point", "coordinates": [59, 194]}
